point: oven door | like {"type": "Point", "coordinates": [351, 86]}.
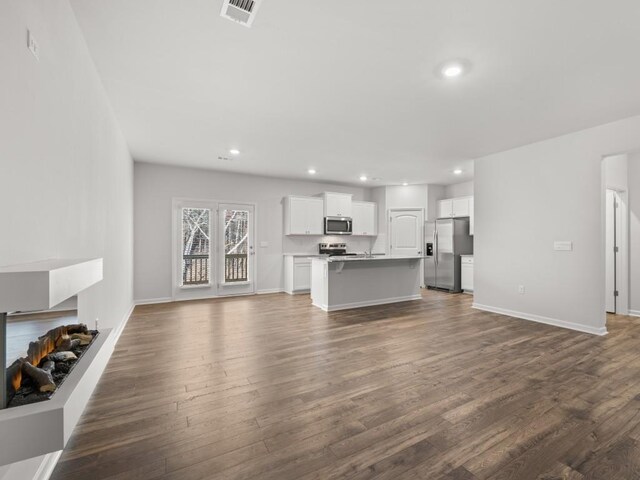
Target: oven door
{"type": "Point", "coordinates": [337, 226]}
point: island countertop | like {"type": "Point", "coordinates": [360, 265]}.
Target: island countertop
{"type": "Point", "coordinates": [374, 258]}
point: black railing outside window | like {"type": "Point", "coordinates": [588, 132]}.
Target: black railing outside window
{"type": "Point", "coordinates": [235, 268]}
{"type": "Point", "coordinates": [195, 269]}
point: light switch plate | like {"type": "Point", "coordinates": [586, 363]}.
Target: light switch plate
{"type": "Point", "coordinates": [563, 246]}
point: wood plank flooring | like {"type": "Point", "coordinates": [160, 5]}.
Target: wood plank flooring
{"type": "Point", "coordinates": [268, 387]}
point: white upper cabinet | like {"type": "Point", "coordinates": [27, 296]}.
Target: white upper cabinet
{"type": "Point", "coordinates": [315, 219]}
{"type": "Point", "coordinates": [445, 208]}
{"type": "Point", "coordinates": [461, 207]}
{"type": "Point", "coordinates": [303, 215]}
{"type": "Point", "coordinates": [455, 207]}
{"type": "Point", "coordinates": [337, 204]}
{"type": "Point", "coordinates": [364, 218]}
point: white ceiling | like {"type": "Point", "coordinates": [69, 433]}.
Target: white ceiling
{"type": "Point", "coordinates": [350, 87]}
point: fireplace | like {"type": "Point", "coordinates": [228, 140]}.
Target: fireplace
{"type": "Point", "coordinates": [40, 286]}
{"type": "Point", "coordinates": [44, 427]}
{"type": "Point", "coordinates": [49, 360]}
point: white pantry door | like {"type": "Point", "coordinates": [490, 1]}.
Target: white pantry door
{"type": "Point", "coordinates": [406, 228]}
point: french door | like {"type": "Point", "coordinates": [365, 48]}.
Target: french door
{"type": "Point", "coordinates": [213, 249]}
{"type": "Point", "coordinates": [236, 253]}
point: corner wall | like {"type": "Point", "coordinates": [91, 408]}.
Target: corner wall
{"type": "Point", "coordinates": [527, 198]}
{"type": "Point", "coordinates": [67, 177]}
{"type": "Point", "coordinates": [634, 233]}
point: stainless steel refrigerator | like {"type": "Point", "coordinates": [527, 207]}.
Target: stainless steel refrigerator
{"type": "Point", "coordinates": [446, 239]}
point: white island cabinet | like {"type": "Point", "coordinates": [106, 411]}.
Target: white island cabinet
{"type": "Point", "coordinates": [340, 283]}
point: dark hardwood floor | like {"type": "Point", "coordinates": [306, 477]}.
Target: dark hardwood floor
{"type": "Point", "coordinates": [268, 387]}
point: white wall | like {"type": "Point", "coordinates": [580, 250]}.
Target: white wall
{"type": "Point", "coordinates": [156, 186]}
{"type": "Point", "coordinates": [410, 196]}
{"type": "Point", "coordinates": [634, 233]}
{"type": "Point", "coordinates": [434, 193]}
{"type": "Point", "coordinates": [616, 172]}
{"type": "Point", "coordinates": [530, 196]}
{"type": "Point", "coordinates": [67, 177]}
{"type": "Point", "coordinates": [464, 189]}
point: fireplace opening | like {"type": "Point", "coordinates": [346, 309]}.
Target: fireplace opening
{"type": "Point", "coordinates": [50, 359]}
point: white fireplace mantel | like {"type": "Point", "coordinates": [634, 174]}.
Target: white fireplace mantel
{"type": "Point", "coordinates": [43, 285]}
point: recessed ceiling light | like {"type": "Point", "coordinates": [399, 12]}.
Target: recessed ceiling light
{"type": "Point", "coordinates": [453, 68]}
{"type": "Point", "coordinates": [404, 184]}
{"type": "Point", "coordinates": [234, 151]}
{"type": "Point", "coordinates": [312, 171]}
{"type": "Point", "coordinates": [363, 178]}
{"type": "Point", "coordinates": [457, 171]}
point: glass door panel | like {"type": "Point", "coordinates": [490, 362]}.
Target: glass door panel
{"type": "Point", "coordinates": [237, 252]}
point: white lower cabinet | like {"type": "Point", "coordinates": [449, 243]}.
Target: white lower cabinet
{"type": "Point", "coordinates": [467, 274]}
{"type": "Point", "coordinates": [297, 274]}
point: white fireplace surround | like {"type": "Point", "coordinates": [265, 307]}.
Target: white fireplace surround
{"type": "Point", "coordinates": [44, 428]}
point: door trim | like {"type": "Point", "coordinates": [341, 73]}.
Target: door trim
{"type": "Point", "coordinates": [406, 209]}
{"type": "Point", "coordinates": [622, 261]}
{"type": "Point", "coordinates": [421, 227]}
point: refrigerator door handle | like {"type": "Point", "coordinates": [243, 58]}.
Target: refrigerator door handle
{"type": "Point", "coordinates": [435, 245]}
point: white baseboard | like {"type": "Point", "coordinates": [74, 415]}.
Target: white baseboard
{"type": "Point", "coordinates": [47, 466]}
{"type": "Point", "coordinates": [370, 303]}
{"type": "Point", "coordinates": [540, 319]}
{"type": "Point", "coordinates": [152, 301]}
{"type": "Point", "coordinates": [123, 323]}
{"type": "Point", "coordinates": [634, 313]}
{"type": "Point", "coordinates": [38, 468]}
{"type": "Point", "coordinates": [268, 291]}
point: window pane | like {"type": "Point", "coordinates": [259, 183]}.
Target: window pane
{"type": "Point", "coordinates": [195, 246]}
{"type": "Point", "coordinates": [236, 245]}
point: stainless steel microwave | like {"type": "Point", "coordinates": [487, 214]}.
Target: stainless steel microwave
{"type": "Point", "coordinates": [338, 226]}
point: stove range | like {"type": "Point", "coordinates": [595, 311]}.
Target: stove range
{"type": "Point", "coordinates": [334, 249]}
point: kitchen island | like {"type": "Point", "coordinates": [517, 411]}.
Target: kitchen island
{"type": "Point", "coordinates": [340, 283]}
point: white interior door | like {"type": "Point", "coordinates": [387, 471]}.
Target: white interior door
{"type": "Point", "coordinates": [406, 231]}
{"type": "Point", "coordinates": [236, 252]}
{"type": "Point", "coordinates": [612, 244]}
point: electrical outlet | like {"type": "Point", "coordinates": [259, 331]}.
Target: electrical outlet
{"type": "Point", "coordinates": [521, 289]}
{"type": "Point", "coordinates": [97, 320]}
{"type": "Point", "coordinates": [32, 45]}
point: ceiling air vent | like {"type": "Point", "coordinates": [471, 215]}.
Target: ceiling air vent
{"type": "Point", "coordinates": [240, 11]}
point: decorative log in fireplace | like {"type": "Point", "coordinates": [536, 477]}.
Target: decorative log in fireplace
{"type": "Point", "coordinates": [49, 360]}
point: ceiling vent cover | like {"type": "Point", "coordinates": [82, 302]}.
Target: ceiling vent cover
{"type": "Point", "coordinates": [240, 11]}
